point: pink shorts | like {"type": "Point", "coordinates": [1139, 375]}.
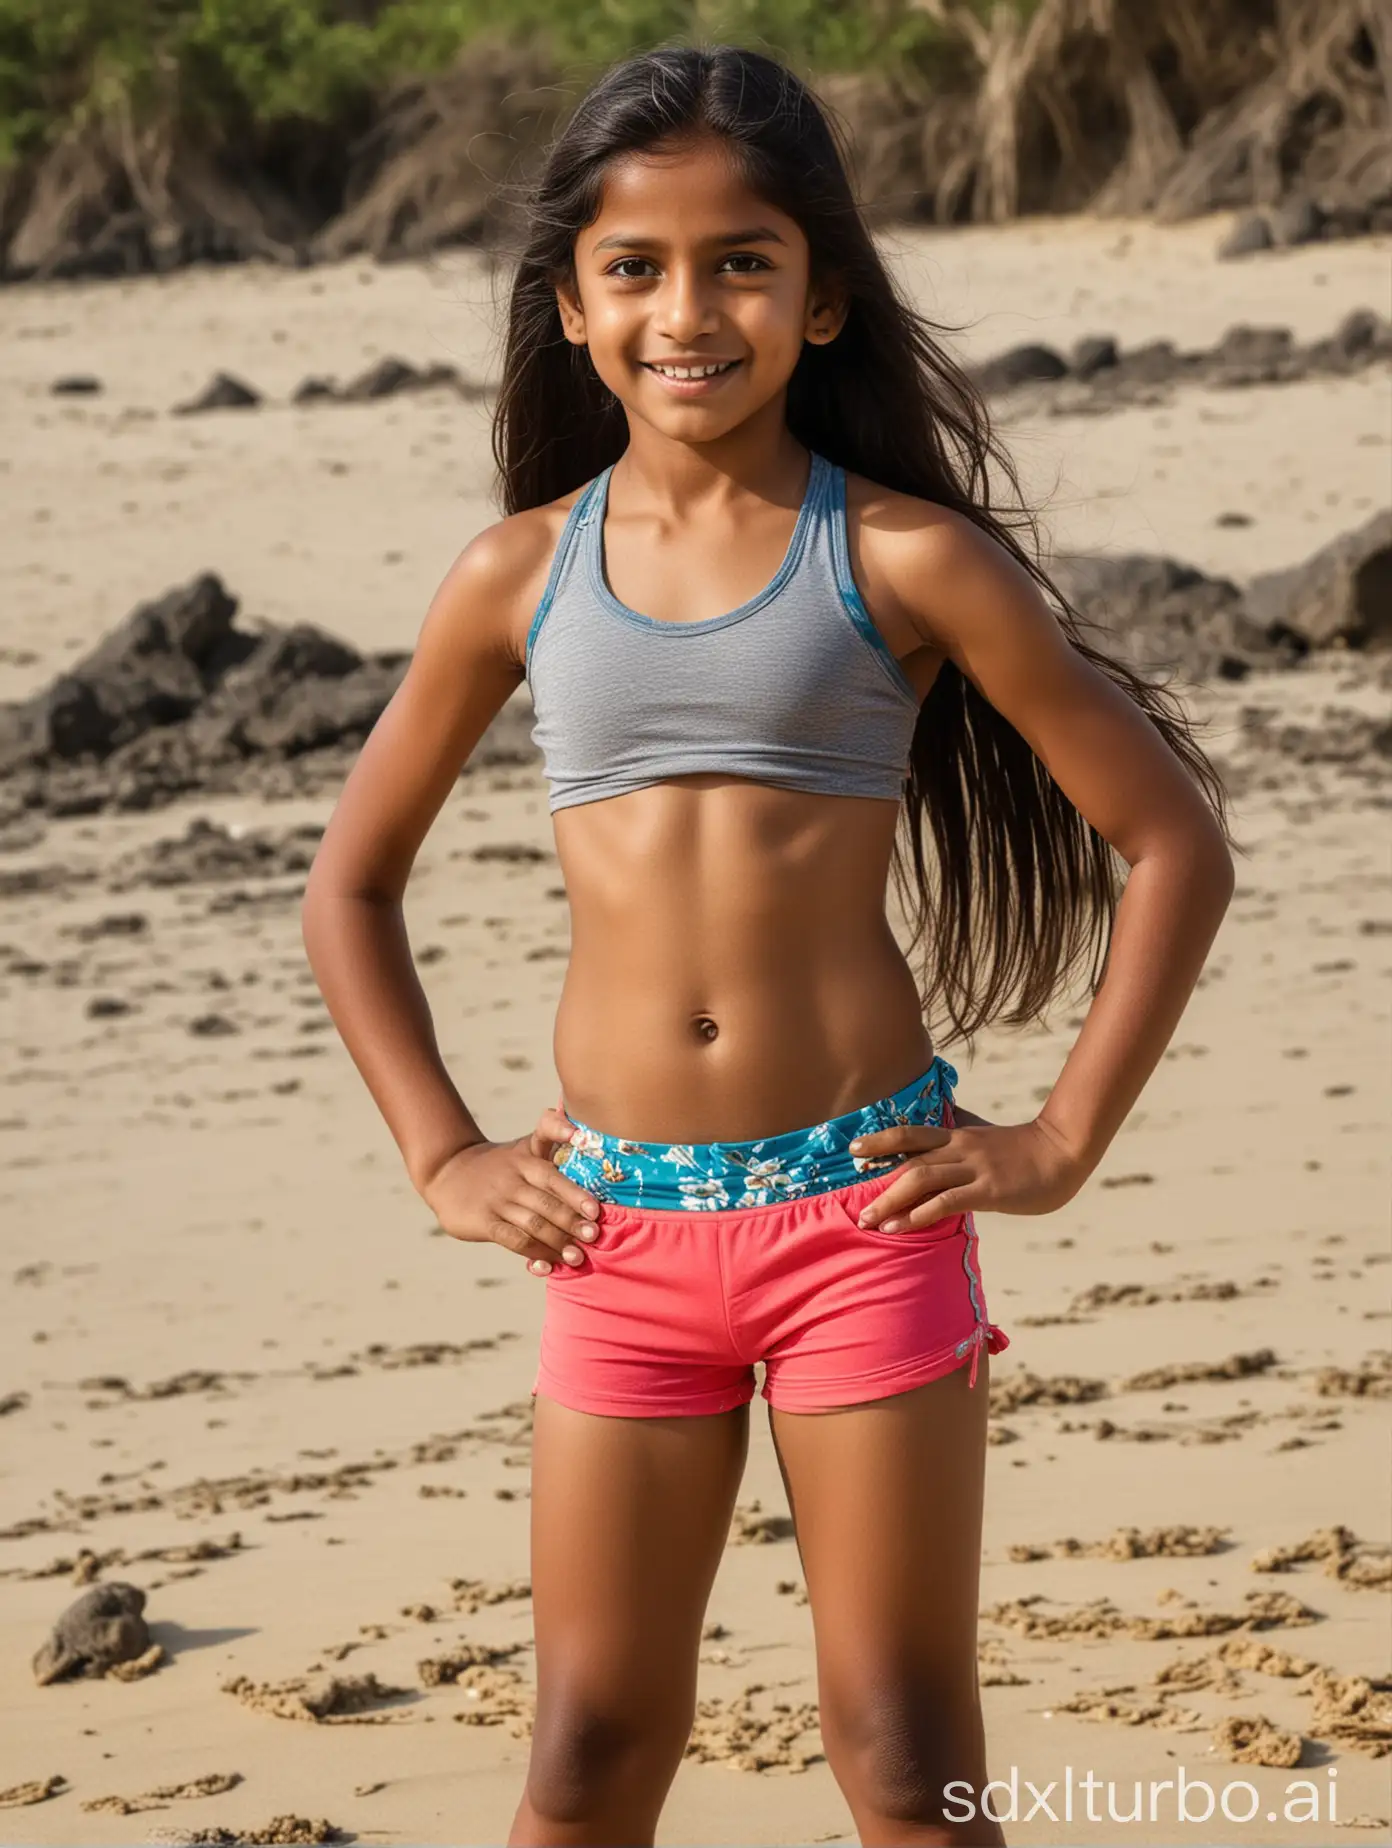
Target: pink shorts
{"type": "Point", "coordinates": [669, 1311]}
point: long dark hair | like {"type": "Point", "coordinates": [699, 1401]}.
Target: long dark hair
{"type": "Point", "coordinates": [1017, 894]}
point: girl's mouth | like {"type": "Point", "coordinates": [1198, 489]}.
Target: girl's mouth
{"type": "Point", "coordinates": [691, 381]}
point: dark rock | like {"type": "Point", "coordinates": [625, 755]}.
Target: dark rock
{"type": "Point", "coordinates": [1102, 379]}
{"type": "Point", "coordinates": [1249, 234]}
{"type": "Point", "coordinates": [1156, 363]}
{"type": "Point", "coordinates": [107, 1007]}
{"type": "Point", "coordinates": [1233, 519]}
{"type": "Point", "coordinates": [19, 734]}
{"type": "Point", "coordinates": [383, 380]}
{"type": "Point", "coordinates": [1340, 597]}
{"type": "Point", "coordinates": [76, 385]}
{"type": "Point", "coordinates": [1242, 345]}
{"type": "Point", "coordinates": [1164, 616]}
{"type": "Point", "coordinates": [177, 699]}
{"type": "Point", "coordinates": [212, 1026]}
{"type": "Point", "coordinates": [386, 378]}
{"type": "Point", "coordinates": [1296, 221]}
{"type": "Point", "coordinates": [473, 389]}
{"type": "Point", "coordinates": [206, 853]}
{"type": "Point", "coordinates": [112, 924]}
{"type": "Point", "coordinates": [1021, 365]}
{"type": "Point", "coordinates": [1253, 356]}
{"type": "Point", "coordinates": [1344, 738]}
{"type": "Point", "coordinates": [514, 853]}
{"type": "Point", "coordinates": [1363, 332]}
{"type": "Point", "coordinates": [1093, 355]}
{"type": "Point", "coordinates": [284, 664]}
{"type": "Point", "coordinates": [154, 669]}
{"type": "Point", "coordinates": [285, 714]}
{"type": "Point", "coordinates": [103, 1627]}
{"type": "Point", "coordinates": [222, 393]}
{"type": "Point", "coordinates": [26, 880]}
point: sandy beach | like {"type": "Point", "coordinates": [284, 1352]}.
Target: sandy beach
{"type": "Point", "coordinates": [244, 1372]}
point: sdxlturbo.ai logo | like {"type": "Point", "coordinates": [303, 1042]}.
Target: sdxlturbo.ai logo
{"type": "Point", "coordinates": [1075, 1799]}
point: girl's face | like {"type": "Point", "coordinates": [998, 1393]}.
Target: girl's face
{"type": "Point", "coordinates": [685, 269]}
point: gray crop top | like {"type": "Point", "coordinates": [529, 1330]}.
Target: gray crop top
{"type": "Point", "coordinates": [796, 687]}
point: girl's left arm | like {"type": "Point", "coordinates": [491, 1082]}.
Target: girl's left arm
{"type": "Point", "coordinates": [971, 600]}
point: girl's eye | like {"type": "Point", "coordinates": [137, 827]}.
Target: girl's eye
{"type": "Point", "coordinates": [749, 257]}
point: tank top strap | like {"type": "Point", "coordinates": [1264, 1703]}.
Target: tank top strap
{"type": "Point", "coordinates": [593, 498]}
{"type": "Point", "coordinates": [812, 549]}
{"type": "Point", "coordinates": [589, 528]}
{"type": "Point", "coordinates": [833, 533]}
{"type": "Point", "coordinates": [828, 536]}
{"type": "Point", "coordinates": [819, 550]}
{"type": "Point", "coordinates": [570, 543]}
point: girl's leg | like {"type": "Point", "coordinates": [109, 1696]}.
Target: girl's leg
{"type": "Point", "coordinates": [629, 1520]}
{"type": "Point", "coordinates": [887, 1502]}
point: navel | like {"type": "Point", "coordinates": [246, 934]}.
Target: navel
{"type": "Point", "coordinates": [706, 1028]}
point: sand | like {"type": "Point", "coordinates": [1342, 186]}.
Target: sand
{"type": "Point", "coordinates": [227, 1319]}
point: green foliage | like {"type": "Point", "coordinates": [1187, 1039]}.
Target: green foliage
{"type": "Point", "coordinates": [230, 65]}
{"type": "Point", "coordinates": [419, 35]}
{"type": "Point", "coordinates": [63, 62]}
{"type": "Point", "coordinates": [273, 59]}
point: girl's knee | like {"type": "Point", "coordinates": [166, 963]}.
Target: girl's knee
{"type": "Point", "coordinates": [586, 1753]}
{"type": "Point", "coordinates": [895, 1748]}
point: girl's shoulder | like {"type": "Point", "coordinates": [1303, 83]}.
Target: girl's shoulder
{"type": "Point", "coordinates": [871, 504]}
{"type": "Point", "coordinates": [932, 575]}
{"type": "Point", "coordinates": [512, 549]}
{"type": "Point", "coordinates": [900, 541]}
{"type": "Point", "coordinates": [504, 567]}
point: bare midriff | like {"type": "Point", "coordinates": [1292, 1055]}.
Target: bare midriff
{"type": "Point", "coordinates": [733, 972]}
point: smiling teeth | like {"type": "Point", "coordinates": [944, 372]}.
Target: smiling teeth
{"type": "Point", "coordinates": [693, 372]}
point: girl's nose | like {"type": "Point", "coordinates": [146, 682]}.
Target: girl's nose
{"type": "Point", "coordinates": [684, 310]}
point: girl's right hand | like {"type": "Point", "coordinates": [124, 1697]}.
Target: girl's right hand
{"type": "Point", "coordinates": [510, 1193]}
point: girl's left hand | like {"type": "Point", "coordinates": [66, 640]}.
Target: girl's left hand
{"type": "Point", "coordinates": [975, 1167]}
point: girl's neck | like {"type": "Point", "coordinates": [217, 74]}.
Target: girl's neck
{"type": "Point", "coordinates": [659, 471]}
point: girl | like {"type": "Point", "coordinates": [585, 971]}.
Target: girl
{"type": "Point", "coordinates": [752, 574]}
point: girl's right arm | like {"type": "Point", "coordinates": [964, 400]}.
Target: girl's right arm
{"type": "Point", "coordinates": [464, 667]}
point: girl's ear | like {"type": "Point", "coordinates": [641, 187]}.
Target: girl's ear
{"type": "Point", "coordinates": [827, 308]}
{"type": "Point", "coordinates": [571, 312]}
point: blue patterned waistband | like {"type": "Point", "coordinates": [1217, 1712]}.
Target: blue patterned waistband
{"type": "Point", "coordinates": [712, 1176]}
